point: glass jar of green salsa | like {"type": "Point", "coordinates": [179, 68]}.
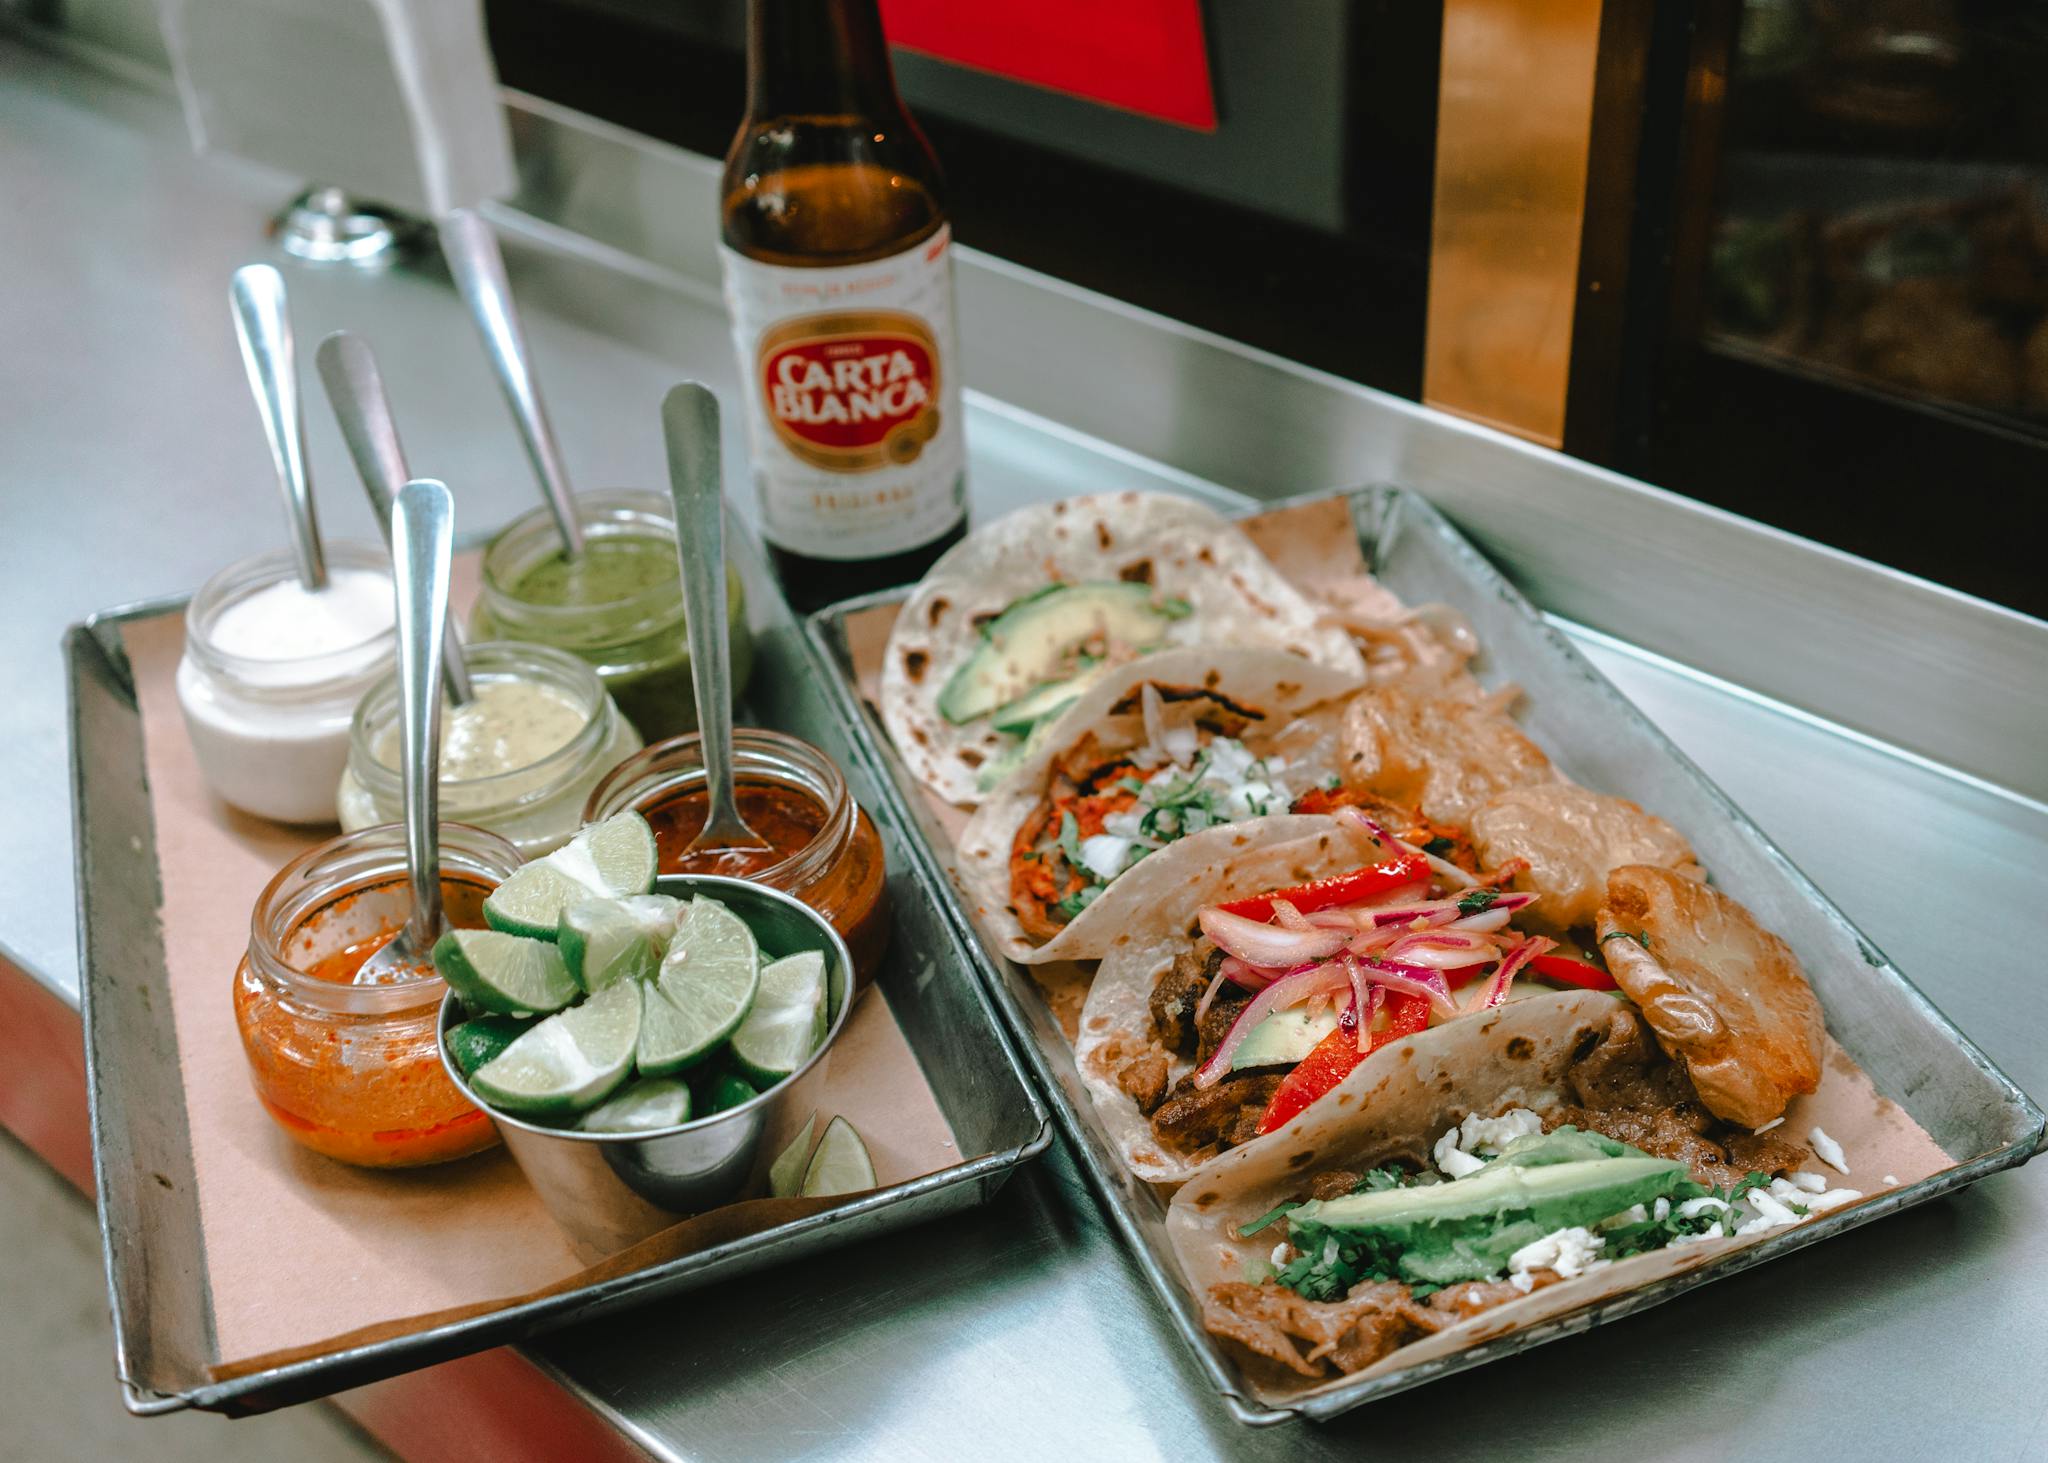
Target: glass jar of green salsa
{"type": "Point", "coordinates": [619, 605]}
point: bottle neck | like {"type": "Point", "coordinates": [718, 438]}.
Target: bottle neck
{"type": "Point", "coordinates": [818, 58]}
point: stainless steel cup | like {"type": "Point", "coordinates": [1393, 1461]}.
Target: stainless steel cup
{"type": "Point", "coordinates": [609, 1191]}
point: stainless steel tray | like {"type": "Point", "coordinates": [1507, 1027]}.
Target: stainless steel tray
{"type": "Point", "coordinates": [1909, 1049]}
{"type": "Point", "coordinates": [148, 1199]}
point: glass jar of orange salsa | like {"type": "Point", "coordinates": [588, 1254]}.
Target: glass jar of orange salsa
{"type": "Point", "coordinates": [354, 1071]}
{"type": "Point", "coordinates": [825, 848]}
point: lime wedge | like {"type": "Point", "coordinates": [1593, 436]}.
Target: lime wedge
{"type": "Point", "coordinates": [786, 1174]}
{"type": "Point", "coordinates": [477, 1041]}
{"type": "Point", "coordinates": [567, 1062]}
{"type": "Point", "coordinates": [841, 1165]}
{"type": "Point", "coordinates": [788, 1019]}
{"type": "Point", "coordinates": [657, 915]}
{"type": "Point", "coordinates": [641, 1107]}
{"type": "Point", "coordinates": [605, 861]}
{"type": "Point", "coordinates": [494, 971]}
{"type": "Point", "coordinates": [602, 941]}
{"type": "Point", "coordinates": [730, 1090]}
{"type": "Point", "coordinates": [707, 985]}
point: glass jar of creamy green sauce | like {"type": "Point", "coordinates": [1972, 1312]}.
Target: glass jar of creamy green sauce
{"type": "Point", "coordinates": [519, 759]}
{"type": "Point", "coordinates": [619, 606]}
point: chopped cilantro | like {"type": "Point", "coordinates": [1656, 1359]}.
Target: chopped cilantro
{"type": "Point", "coordinates": [1639, 936]}
{"type": "Point", "coordinates": [1332, 782]}
{"type": "Point", "coordinates": [1477, 901]}
{"type": "Point", "coordinates": [1376, 1179]}
{"type": "Point", "coordinates": [1080, 899]}
{"type": "Point", "coordinates": [1332, 1261]}
{"type": "Point", "coordinates": [1440, 847]}
{"type": "Point", "coordinates": [1754, 1179]}
{"type": "Point", "coordinates": [1173, 609]}
{"type": "Point", "coordinates": [1280, 1212]}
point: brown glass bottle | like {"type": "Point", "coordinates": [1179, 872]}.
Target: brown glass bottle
{"type": "Point", "coordinates": [839, 280]}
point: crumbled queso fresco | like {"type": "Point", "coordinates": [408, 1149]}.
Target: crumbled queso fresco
{"type": "Point", "coordinates": [1465, 1148]}
{"type": "Point", "coordinates": [1458, 1152]}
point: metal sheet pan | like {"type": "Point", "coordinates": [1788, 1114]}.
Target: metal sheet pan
{"type": "Point", "coordinates": [1911, 1052]}
{"type": "Point", "coordinates": [147, 1192]}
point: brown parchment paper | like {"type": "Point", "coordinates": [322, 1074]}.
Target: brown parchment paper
{"type": "Point", "coordinates": [1315, 545]}
{"type": "Point", "coordinates": [303, 1254]}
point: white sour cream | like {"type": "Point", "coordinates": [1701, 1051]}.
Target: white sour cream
{"type": "Point", "coordinates": [272, 673]}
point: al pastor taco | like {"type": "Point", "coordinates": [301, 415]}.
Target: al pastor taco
{"type": "Point", "coordinates": [1185, 750]}
{"type": "Point", "coordinates": [1018, 619]}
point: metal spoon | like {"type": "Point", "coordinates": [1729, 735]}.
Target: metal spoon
{"type": "Point", "coordinates": [422, 528]}
{"type": "Point", "coordinates": [479, 269]}
{"type": "Point", "coordinates": [268, 356]}
{"type": "Point", "coordinates": [689, 419]}
{"type": "Point", "coordinates": [355, 389]}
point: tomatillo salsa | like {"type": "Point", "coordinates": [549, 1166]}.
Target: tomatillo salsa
{"type": "Point", "coordinates": [618, 605]}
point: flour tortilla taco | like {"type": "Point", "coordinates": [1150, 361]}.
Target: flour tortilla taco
{"type": "Point", "coordinates": [1241, 993]}
{"type": "Point", "coordinates": [1181, 752]}
{"type": "Point", "coordinates": [1019, 618]}
{"type": "Point", "coordinates": [1474, 1179]}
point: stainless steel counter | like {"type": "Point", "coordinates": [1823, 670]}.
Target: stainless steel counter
{"type": "Point", "coordinates": [134, 468]}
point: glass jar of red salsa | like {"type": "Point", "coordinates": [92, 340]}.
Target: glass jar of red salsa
{"type": "Point", "coordinates": [826, 850]}
{"type": "Point", "coordinates": [354, 1071]}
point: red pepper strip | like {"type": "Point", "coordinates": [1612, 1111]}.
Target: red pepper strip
{"type": "Point", "coordinates": [1573, 972]}
{"type": "Point", "coordinates": [1334, 1057]}
{"type": "Point", "coordinates": [1338, 889]}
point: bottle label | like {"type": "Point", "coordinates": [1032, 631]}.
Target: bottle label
{"type": "Point", "coordinates": [853, 399]}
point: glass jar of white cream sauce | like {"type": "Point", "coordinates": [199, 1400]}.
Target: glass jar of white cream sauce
{"type": "Point", "coordinates": [272, 673]}
{"type": "Point", "coordinates": [519, 759]}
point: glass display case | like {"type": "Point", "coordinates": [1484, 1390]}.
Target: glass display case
{"type": "Point", "coordinates": [1836, 317]}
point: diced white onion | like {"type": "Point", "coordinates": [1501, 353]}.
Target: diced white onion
{"type": "Point", "coordinates": [1827, 1149]}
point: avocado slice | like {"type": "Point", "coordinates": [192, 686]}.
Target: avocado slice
{"type": "Point", "coordinates": [1283, 1039]}
{"type": "Point", "coordinates": [1043, 703]}
{"type": "Point", "coordinates": [1035, 641]}
{"type": "Point", "coordinates": [1468, 1228]}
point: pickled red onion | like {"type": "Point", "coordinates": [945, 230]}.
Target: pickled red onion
{"type": "Point", "coordinates": [1288, 991]}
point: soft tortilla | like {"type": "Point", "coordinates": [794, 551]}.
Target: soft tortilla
{"type": "Point", "coordinates": [1279, 685]}
{"type": "Point", "coordinates": [1396, 1105]}
{"type": "Point", "coordinates": [1185, 550]}
{"type": "Point", "coordinates": [1116, 1021]}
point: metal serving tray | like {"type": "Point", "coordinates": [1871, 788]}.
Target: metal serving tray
{"type": "Point", "coordinates": [148, 1201]}
{"type": "Point", "coordinates": [1910, 1051]}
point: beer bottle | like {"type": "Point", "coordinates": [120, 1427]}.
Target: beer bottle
{"type": "Point", "coordinates": [839, 280]}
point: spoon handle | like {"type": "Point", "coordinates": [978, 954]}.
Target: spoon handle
{"type": "Point", "coordinates": [479, 269]}
{"type": "Point", "coordinates": [265, 331]}
{"type": "Point", "coordinates": [689, 420]}
{"type": "Point", "coordinates": [422, 530]}
{"type": "Point", "coordinates": [355, 389]}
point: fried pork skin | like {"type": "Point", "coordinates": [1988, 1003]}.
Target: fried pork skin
{"type": "Point", "coordinates": [1724, 995]}
{"type": "Point", "coordinates": [1439, 743]}
{"type": "Point", "coordinates": [1572, 839]}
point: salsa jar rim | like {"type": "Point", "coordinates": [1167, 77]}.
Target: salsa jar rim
{"type": "Point", "coordinates": [341, 868]}
{"type": "Point", "coordinates": [494, 660]}
{"type": "Point", "coordinates": [532, 538]}
{"type": "Point", "coordinates": [345, 667]}
{"type": "Point", "coordinates": [665, 769]}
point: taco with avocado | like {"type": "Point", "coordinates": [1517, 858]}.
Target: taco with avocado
{"type": "Point", "coordinates": [1244, 990]}
{"type": "Point", "coordinates": [1020, 618]}
{"type": "Point", "coordinates": [1472, 1179]}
